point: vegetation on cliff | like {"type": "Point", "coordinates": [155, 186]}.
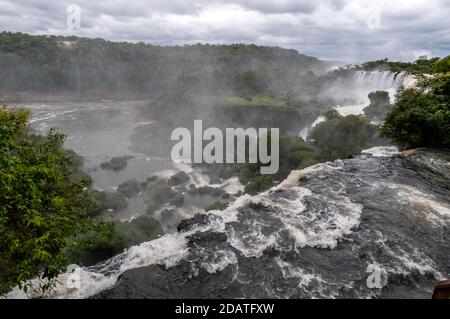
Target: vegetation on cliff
{"type": "Point", "coordinates": [422, 65]}
{"type": "Point", "coordinates": [421, 115]}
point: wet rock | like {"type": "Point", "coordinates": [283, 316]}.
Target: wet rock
{"type": "Point", "coordinates": [409, 152]}
{"type": "Point", "coordinates": [152, 178]}
{"type": "Point", "coordinates": [216, 206]}
{"type": "Point", "coordinates": [226, 196]}
{"type": "Point", "coordinates": [116, 163]}
{"type": "Point", "coordinates": [256, 255]}
{"type": "Point", "coordinates": [206, 237]}
{"type": "Point", "coordinates": [130, 188]}
{"type": "Point", "coordinates": [207, 190]}
{"type": "Point", "coordinates": [177, 201]}
{"type": "Point", "coordinates": [143, 185]}
{"type": "Point", "coordinates": [167, 215]}
{"type": "Point", "coordinates": [214, 179]}
{"type": "Point", "coordinates": [187, 224]}
{"type": "Point", "coordinates": [157, 195]}
{"type": "Point", "coordinates": [178, 178]}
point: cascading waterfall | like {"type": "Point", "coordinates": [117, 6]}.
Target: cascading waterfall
{"type": "Point", "coordinates": [360, 85]}
{"type": "Point", "coordinates": [369, 81]}
{"type": "Point", "coordinates": [384, 80]}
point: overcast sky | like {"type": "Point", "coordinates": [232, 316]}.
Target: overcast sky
{"type": "Point", "coordinates": [348, 30]}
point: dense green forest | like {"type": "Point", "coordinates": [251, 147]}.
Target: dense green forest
{"type": "Point", "coordinates": [422, 65]}
{"type": "Point", "coordinates": [53, 64]}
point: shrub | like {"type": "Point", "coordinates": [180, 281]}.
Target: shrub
{"type": "Point", "coordinates": [258, 184]}
{"type": "Point", "coordinates": [178, 178]}
{"type": "Point", "coordinates": [130, 188]}
{"type": "Point", "coordinates": [41, 207]}
{"type": "Point", "coordinates": [421, 116]}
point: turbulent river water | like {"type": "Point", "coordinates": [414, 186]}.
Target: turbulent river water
{"type": "Point", "coordinates": [325, 231]}
{"type": "Point", "coordinates": [321, 233]}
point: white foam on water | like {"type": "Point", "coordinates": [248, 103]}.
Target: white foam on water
{"type": "Point", "coordinates": [167, 173]}
{"type": "Point", "coordinates": [167, 250]}
{"type": "Point", "coordinates": [295, 175]}
{"type": "Point", "coordinates": [436, 164]}
{"type": "Point", "coordinates": [321, 228]}
{"type": "Point", "coordinates": [426, 206]}
{"type": "Point", "coordinates": [252, 242]}
{"type": "Point", "coordinates": [312, 284]}
{"type": "Point", "coordinates": [404, 263]}
{"type": "Point", "coordinates": [195, 176]}
{"type": "Point", "coordinates": [232, 186]}
{"type": "Point", "coordinates": [381, 151]}
{"type": "Point", "coordinates": [49, 115]}
{"type": "Point", "coordinates": [311, 228]}
{"type": "Point", "coordinates": [219, 260]}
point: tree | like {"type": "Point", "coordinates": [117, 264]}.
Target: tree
{"type": "Point", "coordinates": [40, 204]}
{"type": "Point", "coordinates": [343, 136]}
{"type": "Point", "coordinates": [379, 106]}
{"type": "Point", "coordinates": [421, 116]}
{"type": "Point", "coordinates": [442, 65]}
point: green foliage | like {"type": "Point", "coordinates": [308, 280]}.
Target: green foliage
{"type": "Point", "coordinates": [129, 188]}
{"type": "Point", "coordinates": [45, 207]}
{"type": "Point", "coordinates": [72, 64]}
{"type": "Point", "coordinates": [178, 178]}
{"type": "Point", "coordinates": [107, 200]}
{"type": "Point", "coordinates": [379, 106]}
{"type": "Point", "coordinates": [421, 115]}
{"type": "Point", "coordinates": [158, 194]}
{"type": "Point", "coordinates": [207, 190]}
{"type": "Point", "coordinates": [343, 136]}
{"type": "Point", "coordinates": [140, 229]}
{"type": "Point", "coordinates": [217, 205]}
{"type": "Point", "coordinates": [294, 153]}
{"type": "Point", "coordinates": [442, 65]}
{"type": "Point", "coordinates": [258, 184]}
{"type": "Point", "coordinates": [421, 66]}
{"type": "Point", "coordinates": [178, 200]}
{"type": "Point", "coordinates": [97, 242]}
{"type": "Point", "coordinates": [40, 205]}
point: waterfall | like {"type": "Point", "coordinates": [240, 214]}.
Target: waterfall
{"type": "Point", "coordinates": [358, 85]}
{"type": "Point", "coordinates": [384, 80]}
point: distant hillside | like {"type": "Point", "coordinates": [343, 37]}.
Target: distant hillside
{"type": "Point", "coordinates": [55, 65]}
